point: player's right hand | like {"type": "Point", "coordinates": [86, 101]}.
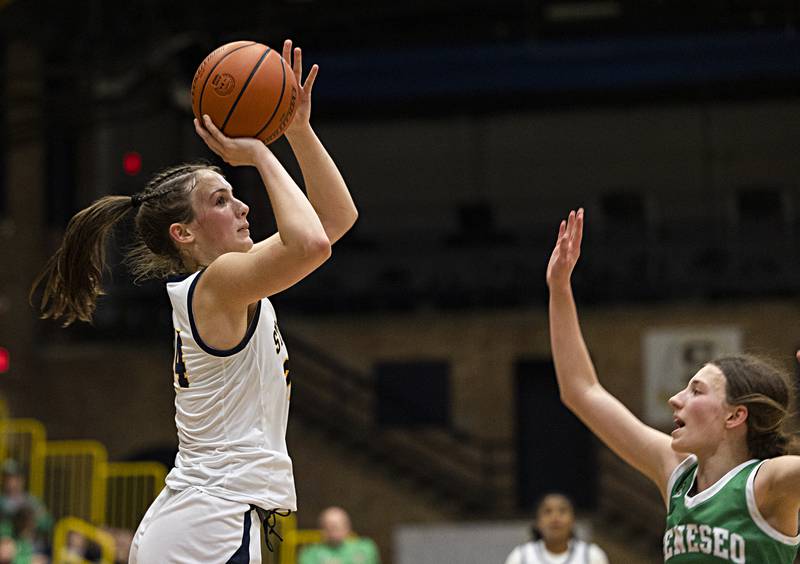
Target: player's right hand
{"type": "Point", "coordinates": [567, 250]}
{"type": "Point", "coordinates": [236, 151]}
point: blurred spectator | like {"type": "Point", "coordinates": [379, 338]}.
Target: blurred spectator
{"type": "Point", "coordinates": [29, 550]}
{"type": "Point", "coordinates": [122, 544]}
{"type": "Point", "coordinates": [339, 545]}
{"type": "Point", "coordinates": [554, 539]}
{"type": "Point", "coordinates": [76, 550]}
{"type": "Point", "coordinates": [23, 517]}
{"type": "Point", "coordinates": [80, 550]}
{"type": "Point", "coordinates": [8, 550]}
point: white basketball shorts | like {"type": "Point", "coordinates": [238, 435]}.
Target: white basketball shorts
{"type": "Point", "coordinates": [193, 527]}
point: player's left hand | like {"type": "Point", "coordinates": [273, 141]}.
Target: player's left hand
{"type": "Point", "coordinates": [302, 112]}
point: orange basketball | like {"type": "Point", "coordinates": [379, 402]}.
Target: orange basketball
{"type": "Point", "coordinates": [247, 90]}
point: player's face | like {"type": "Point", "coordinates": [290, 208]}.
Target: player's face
{"type": "Point", "coordinates": [699, 412]}
{"type": "Point", "coordinates": [220, 224]}
{"type": "Point", "coordinates": [555, 519]}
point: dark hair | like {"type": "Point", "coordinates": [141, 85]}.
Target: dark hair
{"type": "Point", "coordinates": [536, 534]}
{"type": "Point", "coordinates": [764, 389]}
{"type": "Point", "coordinates": [72, 277]}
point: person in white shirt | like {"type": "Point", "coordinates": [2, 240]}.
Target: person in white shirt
{"type": "Point", "coordinates": [231, 372]}
{"type": "Point", "coordinates": [554, 540]}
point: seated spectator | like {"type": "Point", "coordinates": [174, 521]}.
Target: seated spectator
{"type": "Point", "coordinates": [77, 549]}
{"type": "Point", "coordinates": [122, 543]}
{"type": "Point", "coordinates": [554, 539]}
{"type": "Point", "coordinates": [30, 549]}
{"type": "Point", "coordinates": [339, 545]}
{"type": "Point", "coordinates": [23, 516]}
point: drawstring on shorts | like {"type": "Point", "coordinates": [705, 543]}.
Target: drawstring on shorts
{"type": "Point", "coordinates": [269, 520]}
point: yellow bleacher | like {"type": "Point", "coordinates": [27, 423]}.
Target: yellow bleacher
{"type": "Point", "coordinates": [86, 494]}
{"type": "Point", "coordinates": [81, 489]}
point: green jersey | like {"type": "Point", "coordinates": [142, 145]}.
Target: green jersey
{"type": "Point", "coordinates": [351, 551]}
{"type": "Point", "coordinates": [722, 523]}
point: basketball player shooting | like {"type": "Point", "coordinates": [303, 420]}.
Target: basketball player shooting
{"type": "Point", "coordinates": [231, 378]}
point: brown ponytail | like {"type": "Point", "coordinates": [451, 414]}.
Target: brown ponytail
{"type": "Point", "coordinates": [72, 277]}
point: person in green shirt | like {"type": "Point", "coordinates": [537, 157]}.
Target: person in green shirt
{"type": "Point", "coordinates": [23, 516]}
{"type": "Point", "coordinates": [731, 490]}
{"type": "Point", "coordinates": [339, 545]}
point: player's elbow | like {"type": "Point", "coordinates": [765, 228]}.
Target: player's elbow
{"type": "Point", "coordinates": [345, 224]}
{"type": "Point", "coordinates": [317, 248]}
{"type": "Point", "coordinates": [571, 398]}
{"type": "Point", "coordinates": [353, 217]}
{"type": "Point", "coordinates": [581, 399]}
{"type": "Point", "coordinates": [349, 221]}
{"type": "Point", "coordinates": [567, 399]}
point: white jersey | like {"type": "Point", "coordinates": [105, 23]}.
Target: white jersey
{"type": "Point", "coordinates": [578, 552]}
{"type": "Point", "coordinates": [231, 409]}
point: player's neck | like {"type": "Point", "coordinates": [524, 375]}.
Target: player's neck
{"type": "Point", "coordinates": [711, 468]}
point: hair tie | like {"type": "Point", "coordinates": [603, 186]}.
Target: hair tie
{"type": "Point", "coordinates": [136, 200]}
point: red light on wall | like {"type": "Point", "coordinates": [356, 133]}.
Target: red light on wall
{"type": "Point", "coordinates": [132, 163]}
{"type": "Point", "coordinates": [4, 360]}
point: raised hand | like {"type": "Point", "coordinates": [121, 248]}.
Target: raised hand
{"type": "Point", "coordinates": [302, 112]}
{"type": "Point", "coordinates": [567, 250]}
{"type": "Point", "coordinates": [236, 151]}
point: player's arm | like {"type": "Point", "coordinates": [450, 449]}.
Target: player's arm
{"type": "Point", "coordinates": [325, 186]}
{"type": "Point", "coordinates": [299, 247]}
{"type": "Point", "coordinates": [778, 488]}
{"type": "Point", "coordinates": [326, 189]}
{"type": "Point", "coordinates": [643, 447]}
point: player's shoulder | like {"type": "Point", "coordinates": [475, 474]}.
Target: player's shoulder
{"type": "Point", "coordinates": [515, 556]}
{"type": "Point", "coordinates": [181, 282]}
{"type": "Point", "coordinates": [781, 470]}
{"type": "Point", "coordinates": [783, 461]}
{"type": "Point", "coordinates": [596, 554]}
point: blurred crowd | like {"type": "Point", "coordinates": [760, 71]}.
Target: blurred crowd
{"type": "Point", "coordinates": [26, 528]}
{"type": "Point", "coordinates": [25, 523]}
{"type": "Point", "coordinates": [339, 543]}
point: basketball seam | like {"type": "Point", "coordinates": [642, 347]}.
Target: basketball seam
{"type": "Point", "coordinates": [241, 92]}
{"type": "Point", "coordinates": [280, 99]}
{"type": "Point", "coordinates": [211, 72]}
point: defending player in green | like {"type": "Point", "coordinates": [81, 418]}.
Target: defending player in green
{"type": "Point", "coordinates": [731, 491]}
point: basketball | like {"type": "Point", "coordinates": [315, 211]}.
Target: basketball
{"type": "Point", "coordinates": [247, 90]}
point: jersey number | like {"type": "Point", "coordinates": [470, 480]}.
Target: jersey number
{"type": "Point", "coordinates": [180, 366]}
{"type": "Point", "coordinates": [278, 340]}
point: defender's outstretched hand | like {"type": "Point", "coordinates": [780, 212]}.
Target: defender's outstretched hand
{"type": "Point", "coordinates": [567, 250]}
